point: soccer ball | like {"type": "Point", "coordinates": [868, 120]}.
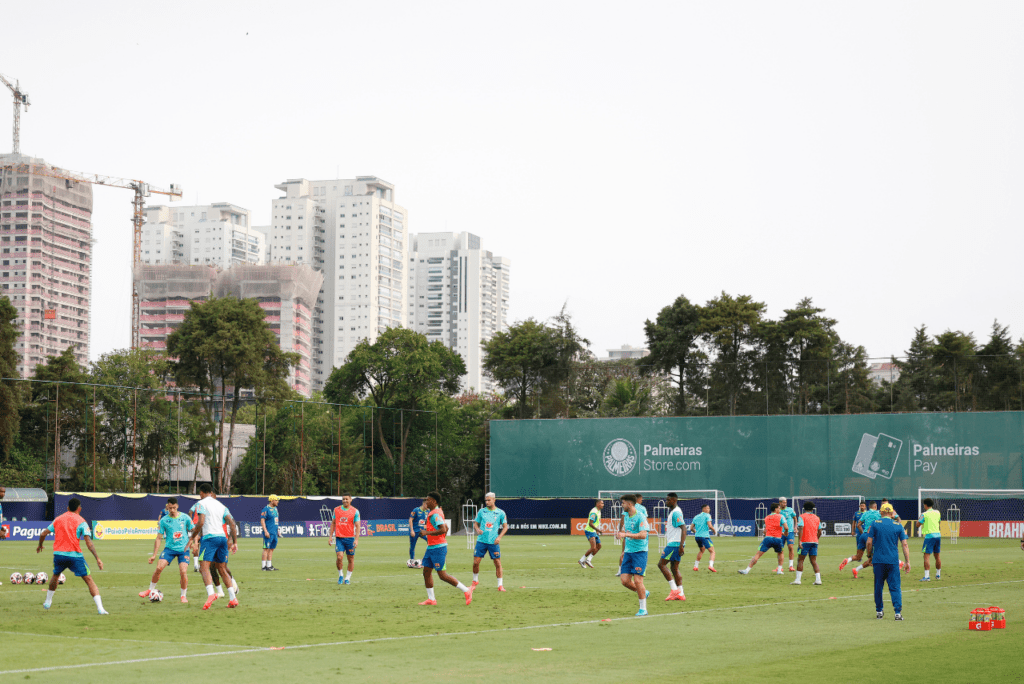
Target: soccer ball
{"type": "Point", "coordinates": [61, 579]}
{"type": "Point", "coordinates": [42, 578]}
{"type": "Point", "coordinates": [417, 564]}
{"type": "Point", "coordinates": [410, 563]}
{"type": "Point", "coordinates": [156, 596]}
{"type": "Point", "coordinates": [30, 578]}
{"type": "Point", "coordinates": [16, 578]}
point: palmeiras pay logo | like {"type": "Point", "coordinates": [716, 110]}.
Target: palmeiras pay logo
{"type": "Point", "coordinates": [619, 457]}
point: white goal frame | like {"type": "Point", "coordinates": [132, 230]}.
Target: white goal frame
{"type": "Point", "coordinates": [717, 495]}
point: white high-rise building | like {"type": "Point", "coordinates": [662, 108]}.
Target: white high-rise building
{"type": "Point", "coordinates": [219, 234]}
{"type": "Point", "coordinates": [458, 294]}
{"type": "Point", "coordinates": [356, 235]}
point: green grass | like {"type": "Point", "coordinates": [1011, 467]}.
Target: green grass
{"type": "Point", "coordinates": [298, 623]}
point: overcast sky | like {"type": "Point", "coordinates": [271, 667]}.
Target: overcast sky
{"type": "Point", "coordinates": [865, 154]}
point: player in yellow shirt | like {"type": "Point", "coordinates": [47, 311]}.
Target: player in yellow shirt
{"type": "Point", "coordinates": [931, 530]}
{"type": "Point", "coordinates": [593, 532]}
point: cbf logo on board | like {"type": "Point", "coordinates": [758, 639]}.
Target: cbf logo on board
{"type": "Point", "coordinates": [619, 457]}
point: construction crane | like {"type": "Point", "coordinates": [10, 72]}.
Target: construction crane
{"type": "Point", "coordinates": [20, 98]}
{"type": "Point", "coordinates": [141, 189]}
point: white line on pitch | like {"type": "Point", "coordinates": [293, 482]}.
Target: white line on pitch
{"type": "Point", "coordinates": [137, 641]}
{"type": "Point", "coordinates": [470, 633]}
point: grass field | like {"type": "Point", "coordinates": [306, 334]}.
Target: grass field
{"type": "Point", "coordinates": [298, 623]}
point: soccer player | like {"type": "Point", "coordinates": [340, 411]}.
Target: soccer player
{"type": "Point", "coordinates": [593, 532]}
{"type": "Point", "coordinates": [416, 521]}
{"type": "Point", "coordinates": [490, 525]}
{"type": "Point", "coordinates": [436, 531]}
{"type": "Point", "coordinates": [175, 530]}
{"type": "Point", "coordinates": [675, 541]}
{"type": "Point", "coordinates": [775, 531]}
{"type": "Point", "coordinates": [345, 531]}
{"type": "Point", "coordinates": [930, 528]}
{"type": "Point", "coordinates": [268, 521]}
{"type": "Point", "coordinates": [810, 529]}
{"type": "Point", "coordinates": [640, 507]}
{"type": "Point", "coordinates": [787, 512]}
{"type": "Point", "coordinates": [634, 558]}
{"type": "Point", "coordinates": [856, 519]}
{"type": "Point", "coordinates": [895, 515]}
{"type": "Point", "coordinates": [882, 550]}
{"type": "Point", "coordinates": [702, 531]}
{"type": "Point", "coordinates": [867, 518]}
{"type": "Point", "coordinates": [68, 530]}
{"type": "Point", "coordinates": [214, 546]}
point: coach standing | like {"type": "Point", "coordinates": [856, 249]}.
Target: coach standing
{"type": "Point", "coordinates": [883, 539]}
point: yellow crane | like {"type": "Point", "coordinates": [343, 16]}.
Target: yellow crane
{"type": "Point", "coordinates": [141, 189]}
{"type": "Point", "coordinates": [20, 99]}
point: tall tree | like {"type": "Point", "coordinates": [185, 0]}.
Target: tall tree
{"type": "Point", "coordinates": [999, 373]}
{"type": "Point", "coordinates": [730, 330]}
{"type": "Point", "coordinates": [851, 389]}
{"type": "Point", "coordinates": [915, 388]}
{"type": "Point", "coordinates": [672, 339]}
{"type": "Point", "coordinates": [399, 371]}
{"type": "Point", "coordinates": [10, 392]}
{"type": "Point", "coordinates": [520, 360]}
{"type": "Point", "coordinates": [809, 340]}
{"type": "Point", "coordinates": [955, 368]}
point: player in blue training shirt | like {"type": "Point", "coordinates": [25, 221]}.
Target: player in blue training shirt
{"type": "Point", "coordinates": [883, 539]}
{"type": "Point", "coordinates": [634, 554]}
{"type": "Point", "coordinates": [417, 519]}
{"type": "Point", "coordinates": [268, 521]}
{"type": "Point", "coordinates": [861, 529]}
{"type": "Point", "coordinates": [174, 529]}
{"type": "Point", "coordinates": [490, 525]}
{"type": "Point", "coordinates": [702, 531]}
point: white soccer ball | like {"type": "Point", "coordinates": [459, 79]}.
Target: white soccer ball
{"type": "Point", "coordinates": [410, 563]}
{"type": "Point", "coordinates": [417, 564]}
{"type": "Point", "coordinates": [41, 578]}
{"type": "Point", "coordinates": [156, 596]}
{"type": "Point", "coordinates": [16, 578]}
{"type": "Point", "coordinates": [30, 578]}
{"type": "Point", "coordinates": [61, 579]}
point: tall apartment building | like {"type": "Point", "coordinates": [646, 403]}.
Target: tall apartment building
{"type": "Point", "coordinates": [46, 250]}
{"type": "Point", "coordinates": [285, 293]}
{"type": "Point", "coordinates": [352, 231]}
{"type": "Point", "coordinates": [218, 234]}
{"type": "Point", "coordinates": [458, 294]}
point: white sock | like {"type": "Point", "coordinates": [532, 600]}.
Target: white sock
{"type": "Point", "coordinates": [220, 591]}
{"type": "Point", "coordinates": [462, 587]}
{"type": "Point", "coordinates": [778, 569]}
{"type": "Point", "coordinates": [672, 584]}
{"type": "Point", "coordinates": [790, 563]}
{"type": "Point", "coordinates": [152, 585]}
{"type": "Point", "coordinates": [817, 577]}
{"type": "Point", "coordinates": [234, 584]}
{"type": "Point", "coordinates": [643, 604]}
{"type": "Point", "coordinates": [183, 593]}
{"type": "Point", "coordinates": [583, 558]}
{"type": "Point", "coordinates": [341, 573]}
{"type": "Point", "coordinates": [745, 571]}
{"type": "Point", "coordinates": [859, 568]}
{"type": "Point", "coordinates": [711, 564]}
{"type": "Point", "coordinates": [849, 559]}
{"type": "Point", "coordinates": [231, 593]}
{"type": "Point", "coordinates": [588, 557]}
{"type": "Point", "coordinates": [926, 573]}
{"type": "Point", "coordinates": [799, 574]}
{"type": "Point", "coordinates": [209, 590]}
{"type": "Point", "coordinates": [430, 594]}
{"type": "Point", "coordinates": [49, 596]}
{"type": "Point", "coordinates": [938, 574]}
{"type": "Point", "coordinates": [696, 564]}
{"type": "Point", "coordinates": [99, 601]}
{"type": "Point", "coordinates": [500, 580]}
{"type": "Point", "coordinates": [476, 576]}
{"type": "Point", "coordinates": [264, 564]}
{"type": "Point", "coordinates": [349, 575]}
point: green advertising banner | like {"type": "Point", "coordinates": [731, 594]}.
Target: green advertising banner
{"type": "Point", "coordinates": [873, 455]}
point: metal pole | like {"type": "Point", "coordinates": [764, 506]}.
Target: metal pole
{"type": "Point", "coordinates": [256, 432]}
{"type": "Point", "coordinates": [302, 447]}
{"type": "Point", "coordinates": [372, 483]}
{"type": "Point", "coordinates": [135, 434]}
{"type": "Point", "coordinates": [435, 451]}
{"type": "Point", "coordinates": [177, 455]}
{"type": "Point", "coordinates": [94, 439]}
{"type": "Point", "coordinates": [339, 451]}
{"type": "Point", "coordinates": [264, 452]}
{"type": "Point", "coordinates": [401, 445]}
{"type": "Point", "coordinates": [56, 443]}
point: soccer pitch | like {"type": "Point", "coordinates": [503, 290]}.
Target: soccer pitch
{"type": "Point", "coordinates": [298, 623]}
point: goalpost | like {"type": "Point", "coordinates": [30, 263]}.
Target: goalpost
{"type": "Point", "coordinates": [836, 512]}
{"type": "Point", "coordinates": [690, 502]}
{"type": "Point", "coordinates": [997, 513]}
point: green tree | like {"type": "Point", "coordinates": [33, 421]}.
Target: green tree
{"type": "Point", "coordinates": [851, 389]}
{"type": "Point", "coordinates": [10, 392]}
{"type": "Point", "coordinates": [999, 373]}
{"type": "Point", "coordinates": [915, 388]}
{"type": "Point", "coordinates": [730, 329]}
{"type": "Point", "coordinates": [672, 339]}
{"type": "Point", "coordinates": [955, 367]}
{"type": "Point", "coordinates": [224, 344]}
{"type": "Point", "coordinates": [809, 338]}
{"type": "Point", "coordinates": [520, 360]}
{"type": "Point", "coordinates": [399, 371]}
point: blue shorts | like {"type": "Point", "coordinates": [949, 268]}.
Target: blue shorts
{"type": "Point", "coordinates": [788, 539]}
{"type": "Point", "coordinates": [214, 550]}
{"type": "Point", "coordinates": [75, 564]}
{"type": "Point", "coordinates": [634, 563]}
{"type": "Point", "coordinates": [270, 542]}
{"type": "Point", "coordinates": [485, 548]}
{"type": "Point", "coordinates": [933, 544]}
{"type": "Point", "coordinates": [808, 548]}
{"type": "Point", "coordinates": [771, 543]}
{"type": "Point", "coordinates": [593, 535]}
{"type": "Point", "coordinates": [346, 544]}
{"type": "Point", "coordinates": [704, 543]}
{"type": "Point", "coordinates": [673, 553]}
{"type": "Point", "coordinates": [862, 542]}
{"type": "Point", "coordinates": [170, 556]}
{"type": "Point", "coordinates": [435, 558]}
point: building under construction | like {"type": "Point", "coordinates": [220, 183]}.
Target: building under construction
{"type": "Point", "coordinates": [285, 293]}
{"type": "Point", "coordinates": [46, 245]}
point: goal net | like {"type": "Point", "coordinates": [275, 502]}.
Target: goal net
{"type": "Point", "coordinates": [690, 502]}
{"type": "Point", "coordinates": [836, 512]}
{"type": "Point", "coordinates": [988, 513]}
